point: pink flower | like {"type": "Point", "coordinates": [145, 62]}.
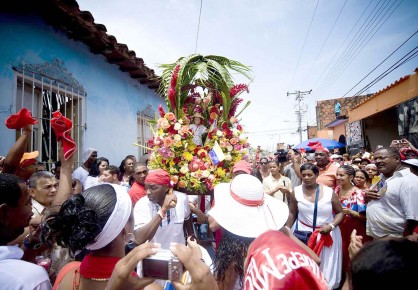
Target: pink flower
{"type": "Point", "coordinates": [170, 116]}
{"type": "Point", "coordinates": [168, 142]}
{"type": "Point", "coordinates": [164, 124]}
{"type": "Point", "coordinates": [233, 141]}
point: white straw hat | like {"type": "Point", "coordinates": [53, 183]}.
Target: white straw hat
{"type": "Point", "coordinates": [242, 207]}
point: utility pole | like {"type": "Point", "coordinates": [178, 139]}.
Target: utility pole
{"type": "Point", "coordinates": [300, 109]}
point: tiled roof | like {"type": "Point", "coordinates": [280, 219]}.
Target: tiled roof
{"type": "Point", "coordinates": [402, 79]}
{"type": "Point", "coordinates": [80, 25]}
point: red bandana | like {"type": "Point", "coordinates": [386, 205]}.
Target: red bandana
{"type": "Point", "coordinates": [158, 176]}
{"type": "Point", "coordinates": [62, 128]}
{"type": "Point", "coordinates": [20, 120]}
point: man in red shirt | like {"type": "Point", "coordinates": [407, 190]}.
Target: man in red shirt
{"type": "Point", "coordinates": [137, 190]}
{"type": "Point", "coordinates": [327, 170]}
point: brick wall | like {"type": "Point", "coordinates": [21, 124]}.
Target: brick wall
{"type": "Point", "coordinates": [325, 109]}
{"type": "Point", "coordinates": [312, 131]}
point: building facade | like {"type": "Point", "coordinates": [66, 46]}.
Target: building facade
{"type": "Point", "coordinates": [55, 57]}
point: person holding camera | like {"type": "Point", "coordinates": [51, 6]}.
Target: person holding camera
{"type": "Point", "coordinates": [98, 221]}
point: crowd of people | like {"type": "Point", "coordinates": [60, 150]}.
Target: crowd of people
{"type": "Point", "coordinates": [320, 220]}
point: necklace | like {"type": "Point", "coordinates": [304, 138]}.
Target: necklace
{"type": "Point", "coordinates": [100, 279]}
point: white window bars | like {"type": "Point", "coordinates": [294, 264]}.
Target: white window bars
{"type": "Point", "coordinates": [144, 130]}
{"type": "Point", "coordinates": [44, 89]}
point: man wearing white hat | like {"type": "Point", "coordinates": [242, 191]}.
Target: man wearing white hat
{"type": "Point", "coordinates": [89, 157]}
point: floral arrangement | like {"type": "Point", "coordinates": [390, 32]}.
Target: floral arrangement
{"type": "Point", "coordinates": [203, 85]}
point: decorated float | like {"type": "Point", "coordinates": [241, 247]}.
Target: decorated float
{"type": "Point", "coordinates": [199, 139]}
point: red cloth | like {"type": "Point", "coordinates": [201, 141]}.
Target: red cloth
{"type": "Point", "coordinates": [317, 146]}
{"type": "Point", "coordinates": [62, 128]}
{"type": "Point", "coordinates": [274, 261]}
{"type": "Point", "coordinates": [158, 176]}
{"type": "Point", "coordinates": [325, 240]}
{"type": "Point", "coordinates": [20, 120]}
{"type": "Point", "coordinates": [136, 192]}
{"type": "Point", "coordinates": [97, 267]}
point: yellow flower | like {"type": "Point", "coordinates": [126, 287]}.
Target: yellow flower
{"type": "Point", "coordinates": [220, 172]}
{"type": "Point", "coordinates": [188, 156]}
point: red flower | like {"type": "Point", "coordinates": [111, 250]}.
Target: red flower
{"type": "Point", "coordinates": [237, 89]}
{"type": "Point", "coordinates": [172, 89]}
{"type": "Point", "coordinates": [161, 111]}
{"type": "Point", "coordinates": [239, 127]}
{"type": "Point", "coordinates": [234, 105]}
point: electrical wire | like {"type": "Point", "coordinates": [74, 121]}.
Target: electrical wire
{"type": "Point", "coordinates": [304, 43]}
{"type": "Point", "coordinates": [198, 25]}
{"type": "Point", "coordinates": [364, 27]}
{"type": "Point", "coordinates": [364, 41]}
{"type": "Point", "coordinates": [323, 44]}
{"type": "Point", "coordinates": [409, 56]}
{"type": "Point", "coordinates": [380, 63]}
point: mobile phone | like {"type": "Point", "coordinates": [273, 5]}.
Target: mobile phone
{"type": "Point", "coordinates": [163, 265]}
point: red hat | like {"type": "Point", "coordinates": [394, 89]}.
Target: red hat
{"type": "Point", "coordinates": [317, 146]}
{"type": "Point", "coordinates": [242, 165]}
{"type": "Point", "coordinates": [158, 176]}
{"type": "Point", "coordinates": [274, 261]}
{"type": "Point", "coordinates": [28, 158]}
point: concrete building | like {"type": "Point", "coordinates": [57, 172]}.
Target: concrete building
{"type": "Point", "coordinates": [55, 57]}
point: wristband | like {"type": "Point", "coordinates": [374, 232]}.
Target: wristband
{"type": "Point", "coordinates": [161, 213]}
{"type": "Point", "coordinates": [30, 245]}
{"type": "Point", "coordinates": [332, 226]}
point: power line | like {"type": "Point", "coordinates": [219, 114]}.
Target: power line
{"type": "Point", "coordinates": [304, 42]}
{"type": "Point", "coordinates": [359, 44]}
{"type": "Point", "coordinates": [412, 54]}
{"type": "Point", "coordinates": [380, 63]}
{"type": "Point", "coordinates": [198, 25]}
{"type": "Point", "coordinates": [323, 44]}
{"type": "Point", "coordinates": [362, 42]}
{"type": "Point", "coordinates": [347, 49]}
{"type": "Point", "coordinates": [342, 45]}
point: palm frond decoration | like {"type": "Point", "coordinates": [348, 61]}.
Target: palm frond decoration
{"type": "Point", "coordinates": [209, 72]}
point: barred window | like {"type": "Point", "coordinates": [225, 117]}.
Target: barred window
{"type": "Point", "coordinates": [144, 130]}
{"type": "Point", "coordinates": [44, 89]}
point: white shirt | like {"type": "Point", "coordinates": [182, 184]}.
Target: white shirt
{"type": "Point", "coordinates": [388, 215]}
{"type": "Point", "coordinates": [80, 174]}
{"type": "Point", "coordinates": [167, 232]}
{"type": "Point", "coordinates": [37, 208]}
{"type": "Point", "coordinates": [198, 131]}
{"type": "Point", "coordinates": [18, 274]}
{"type": "Point", "coordinates": [90, 181]}
{"type": "Point", "coordinates": [270, 183]}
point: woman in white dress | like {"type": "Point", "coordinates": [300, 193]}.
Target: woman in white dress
{"type": "Point", "coordinates": [329, 215]}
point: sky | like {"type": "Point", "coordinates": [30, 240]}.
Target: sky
{"type": "Point", "coordinates": [327, 46]}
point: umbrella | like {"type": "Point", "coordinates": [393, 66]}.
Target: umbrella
{"type": "Point", "coordinates": [329, 143]}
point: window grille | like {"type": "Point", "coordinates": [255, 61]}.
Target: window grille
{"type": "Point", "coordinates": [144, 130]}
{"type": "Point", "coordinates": [44, 89]}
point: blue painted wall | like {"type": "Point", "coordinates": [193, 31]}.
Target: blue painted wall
{"type": "Point", "coordinates": [113, 98]}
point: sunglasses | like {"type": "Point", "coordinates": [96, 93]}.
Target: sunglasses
{"type": "Point", "coordinates": [263, 163]}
